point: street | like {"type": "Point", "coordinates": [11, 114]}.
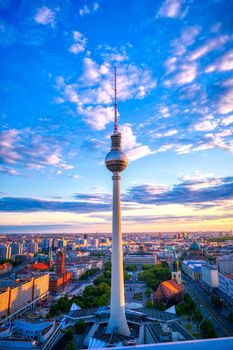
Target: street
{"type": "Point", "coordinates": [206, 307]}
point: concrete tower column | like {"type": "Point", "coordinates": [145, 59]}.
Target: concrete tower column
{"type": "Point", "coordinates": [117, 316]}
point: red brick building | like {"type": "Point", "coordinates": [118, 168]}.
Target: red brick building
{"type": "Point", "coordinates": [60, 263]}
{"type": "Point", "coordinates": [57, 283]}
{"type": "Point", "coordinates": [169, 292]}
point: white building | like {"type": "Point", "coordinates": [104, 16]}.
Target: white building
{"type": "Point", "coordinates": [225, 263]}
{"type": "Point", "coordinates": [209, 275]}
{"type": "Point", "coordinates": [192, 268]}
{"type": "Point", "coordinates": [140, 259]}
{"type": "Point", "coordinates": [226, 283]}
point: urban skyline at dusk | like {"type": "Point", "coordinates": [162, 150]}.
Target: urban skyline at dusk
{"type": "Point", "coordinates": [174, 64]}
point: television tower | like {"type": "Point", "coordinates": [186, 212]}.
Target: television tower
{"type": "Point", "coordinates": [116, 161]}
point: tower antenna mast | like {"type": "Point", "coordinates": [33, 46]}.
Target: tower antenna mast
{"type": "Point", "coordinates": [115, 102]}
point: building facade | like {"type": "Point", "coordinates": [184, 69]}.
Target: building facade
{"type": "Point", "coordinates": [209, 275]}
{"type": "Point", "coordinates": [16, 296]}
{"type": "Point", "coordinates": [140, 259]}
{"type": "Point", "coordinates": [225, 263]}
{"type": "Point", "coordinates": [192, 268]}
{"type": "Point", "coordinates": [226, 283]}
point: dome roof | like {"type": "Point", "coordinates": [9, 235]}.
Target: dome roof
{"type": "Point", "coordinates": [194, 246]}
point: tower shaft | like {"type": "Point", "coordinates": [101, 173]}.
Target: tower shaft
{"type": "Point", "coordinates": [117, 315]}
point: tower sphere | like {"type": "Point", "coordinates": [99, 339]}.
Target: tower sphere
{"type": "Point", "coordinates": [116, 160]}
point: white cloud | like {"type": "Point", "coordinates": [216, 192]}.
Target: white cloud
{"type": "Point", "coordinates": [92, 93]}
{"type": "Point", "coordinates": [96, 116]}
{"type": "Point", "coordinates": [45, 16]}
{"type": "Point", "coordinates": [91, 71]}
{"type": "Point", "coordinates": [79, 44]}
{"type": "Point", "coordinates": [186, 39]}
{"type": "Point", "coordinates": [75, 176]}
{"type": "Point", "coordinates": [210, 45]}
{"type": "Point", "coordinates": [228, 120]}
{"type": "Point", "coordinates": [84, 10]}
{"type": "Point", "coordinates": [133, 149]}
{"type": "Point", "coordinates": [170, 132]}
{"type": "Point", "coordinates": [224, 63]}
{"type": "Point", "coordinates": [87, 9]}
{"type": "Point", "coordinates": [170, 64]}
{"type": "Point", "coordinates": [26, 148]}
{"type": "Point", "coordinates": [225, 103]}
{"type": "Point", "coordinates": [167, 133]}
{"type": "Point", "coordinates": [170, 8]}
{"type": "Point", "coordinates": [186, 74]}
{"type": "Point", "coordinates": [227, 82]}
{"type": "Point", "coordinates": [184, 149]}
{"type": "Point", "coordinates": [205, 125]}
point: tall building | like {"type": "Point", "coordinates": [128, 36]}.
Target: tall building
{"type": "Point", "coordinates": [60, 263]}
{"type": "Point", "coordinates": [225, 263]}
{"type": "Point", "coordinates": [16, 248]}
{"type": "Point", "coordinates": [209, 275]}
{"type": "Point", "coordinates": [116, 161]}
{"type": "Point", "coordinates": [32, 246]}
{"type": "Point", "coordinates": [5, 251]}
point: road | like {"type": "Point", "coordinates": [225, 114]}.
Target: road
{"type": "Point", "coordinates": [206, 308]}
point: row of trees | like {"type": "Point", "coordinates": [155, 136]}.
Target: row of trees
{"type": "Point", "coordinates": [88, 274]}
{"type": "Point", "coordinates": [61, 306]}
{"type": "Point", "coordinates": [208, 330]}
{"type": "Point", "coordinates": [94, 296]}
{"type": "Point", "coordinates": [152, 275]}
{"type": "Point", "coordinates": [187, 307]}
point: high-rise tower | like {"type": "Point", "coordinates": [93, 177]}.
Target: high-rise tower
{"type": "Point", "coordinates": [116, 161]}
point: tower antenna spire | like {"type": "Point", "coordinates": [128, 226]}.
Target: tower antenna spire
{"type": "Point", "coordinates": [115, 102]}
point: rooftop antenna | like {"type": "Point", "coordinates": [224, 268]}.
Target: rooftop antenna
{"type": "Point", "coordinates": [115, 103]}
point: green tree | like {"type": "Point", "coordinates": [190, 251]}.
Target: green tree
{"type": "Point", "coordinates": [131, 268]}
{"type": "Point", "coordinates": [216, 301]}
{"type": "Point", "coordinates": [230, 316]}
{"type": "Point", "coordinates": [148, 292]}
{"type": "Point", "coordinates": [80, 327]}
{"type": "Point", "coordinates": [69, 334]}
{"type": "Point", "coordinates": [149, 304]}
{"type": "Point", "coordinates": [208, 330]}
{"type": "Point", "coordinates": [197, 316]}
{"type": "Point", "coordinates": [70, 346]}
{"type": "Point", "coordinates": [88, 274]}
{"type": "Point", "coordinates": [161, 306]}
{"type": "Point", "coordinates": [54, 310]}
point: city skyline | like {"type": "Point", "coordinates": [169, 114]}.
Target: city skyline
{"type": "Point", "coordinates": [174, 60]}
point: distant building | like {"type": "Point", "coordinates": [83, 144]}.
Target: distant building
{"type": "Point", "coordinates": [40, 266]}
{"type": "Point", "coordinates": [4, 268]}
{"type": "Point", "coordinates": [192, 268]}
{"type": "Point", "coordinates": [32, 246]}
{"type": "Point", "coordinates": [225, 263]}
{"type": "Point", "coordinates": [140, 259]}
{"type": "Point", "coordinates": [226, 284]}
{"type": "Point", "coordinates": [16, 248]}
{"type": "Point", "coordinates": [15, 297]}
{"type": "Point", "coordinates": [57, 283]}
{"type": "Point", "coordinates": [59, 243]}
{"type": "Point", "coordinates": [5, 251]}
{"type": "Point", "coordinates": [169, 292]}
{"type": "Point", "coordinates": [60, 263]}
{"type": "Point", "coordinates": [61, 278]}
{"type": "Point", "coordinates": [195, 252]}
{"type": "Point", "coordinates": [209, 275]}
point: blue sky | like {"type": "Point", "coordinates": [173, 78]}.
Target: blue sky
{"type": "Point", "coordinates": [174, 62]}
